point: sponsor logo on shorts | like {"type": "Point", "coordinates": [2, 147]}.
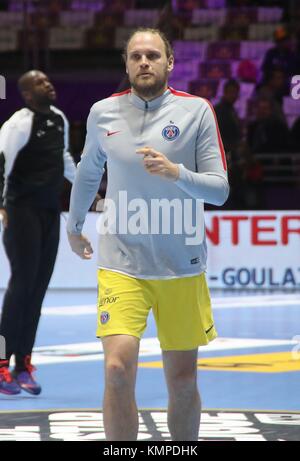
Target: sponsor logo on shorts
{"type": "Point", "coordinates": [104, 317]}
{"type": "Point", "coordinates": [108, 300]}
{"type": "Point", "coordinates": [170, 132]}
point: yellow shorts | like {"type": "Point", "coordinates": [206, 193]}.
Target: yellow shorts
{"type": "Point", "coordinates": [181, 308]}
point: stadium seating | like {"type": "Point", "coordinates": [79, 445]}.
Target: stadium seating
{"type": "Point", "coordinates": [8, 39]}
{"type": "Point", "coordinates": [66, 38]}
{"type": "Point", "coordinates": [219, 41]}
{"type": "Point", "coordinates": [145, 18]}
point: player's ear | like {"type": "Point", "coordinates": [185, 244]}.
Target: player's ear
{"type": "Point", "coordinates": [170, 63]}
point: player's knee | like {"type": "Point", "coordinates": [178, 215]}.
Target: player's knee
{"type": "Point", "coordinates": [118, 374]}
{"type": "Point", "coordinates": [184, 381]}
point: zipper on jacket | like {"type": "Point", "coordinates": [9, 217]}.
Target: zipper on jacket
{"type": "Point", "coordinates": [144, 117]}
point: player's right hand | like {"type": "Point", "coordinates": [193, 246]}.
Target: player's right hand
{"type": "Point", "coordinates": [4, 217]}
{"type": "Point", "coordinates": [80, 245]}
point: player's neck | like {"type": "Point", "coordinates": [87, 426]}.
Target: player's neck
{"type": "Point", "coordinates": [150, 98]}
{"type": "Point", "coordinates": [44, 109]}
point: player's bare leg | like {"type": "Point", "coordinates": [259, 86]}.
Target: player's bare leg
{"type": "Point", "coordinates": [120, 412]}
{"type": "Point", "coordinates": [184, 409]}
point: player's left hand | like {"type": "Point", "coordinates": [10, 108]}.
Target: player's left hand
{"type": "Point", "coordinates": [157, 163]}
{"type": "Point", "coordinates": [80, 245]}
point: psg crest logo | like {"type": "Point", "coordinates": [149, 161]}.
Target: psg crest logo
{"type": "Point", "coordinates": [170, 132]}
{"type": "Point", "coordinates": [104, 317]}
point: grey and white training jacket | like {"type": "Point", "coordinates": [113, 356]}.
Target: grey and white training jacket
{"type": "Point", "coordinates": [182, 127]}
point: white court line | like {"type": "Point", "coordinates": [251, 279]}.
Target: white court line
{"type": "Point", "coordinates": [71, 310]}
{"type": "Point", "coordinates": [93, 351]}
{"type": "Point", "coordinates": [217, 303]}
{"type": "Point", "coordinates": [256, 301]}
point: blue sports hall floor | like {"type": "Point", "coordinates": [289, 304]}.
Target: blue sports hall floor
{"type": "Point", "coordinates": [249, 377]}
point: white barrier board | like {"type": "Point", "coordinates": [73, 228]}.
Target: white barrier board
{"type": "Point", "coordinates": [251, 249]}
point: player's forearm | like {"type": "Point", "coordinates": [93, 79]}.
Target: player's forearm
{"type": "Point", "coordinates": [83, 193]}
{"type": "Point", "coordinates": [69, 167]}
{"type": "Point", "coordinates": [210, 187]}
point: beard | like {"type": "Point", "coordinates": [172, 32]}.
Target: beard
{"type": "Point", "coordinates": [150, 87]}
{"type": "Point", "coordinates": [45, 99]}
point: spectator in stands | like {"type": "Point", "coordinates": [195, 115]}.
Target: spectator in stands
{"type": "Point", "coordinates": [228, 119]}
{"type": "Point", "coordinates": [280, 57]}
{"type": "Point", "coordinates": [170, 24]}
{"type": "Point", "coordinates": [216, 70]}
{"type": "Point", "coordinates": [231, 133]}
{"type": "Point", "coordinates": [247, 71]}
{"type": "Point", "coordinates": [267, 133]}
{"type": "Point", "coordinates": [274, 89]}
{"type": "Point", "coordinates": [253, 192]}
{"type": "Point", "coordinates": [204, 88]}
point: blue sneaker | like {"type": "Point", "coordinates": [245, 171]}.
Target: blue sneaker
{"type": "Point", "coordinates": [25, 379]}
{"type": "Point", "coordinates": [8, 385]}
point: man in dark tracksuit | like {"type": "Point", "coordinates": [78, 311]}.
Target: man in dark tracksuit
{"type": "Point", "coordinates": [34, 159]}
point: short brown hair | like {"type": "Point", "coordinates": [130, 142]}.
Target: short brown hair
{"type": "Point", "coordinates": [168, 46]}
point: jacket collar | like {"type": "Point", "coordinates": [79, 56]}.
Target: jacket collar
{"type": "Point", "coordinates": [150, 105]}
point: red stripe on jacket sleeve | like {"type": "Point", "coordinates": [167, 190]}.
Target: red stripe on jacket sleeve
{"type": "Point", "coordinates": [223, 156]}
{"type": "Point", "coordinates": [120, 94]}
{"type": "Point", "coordinates": [188, 95]}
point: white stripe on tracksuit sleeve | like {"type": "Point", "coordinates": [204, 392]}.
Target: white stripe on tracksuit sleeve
{"type": "Point", "coordinates": [14, 135]}
{"type": "Point", "coordinates": [69, 165]}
